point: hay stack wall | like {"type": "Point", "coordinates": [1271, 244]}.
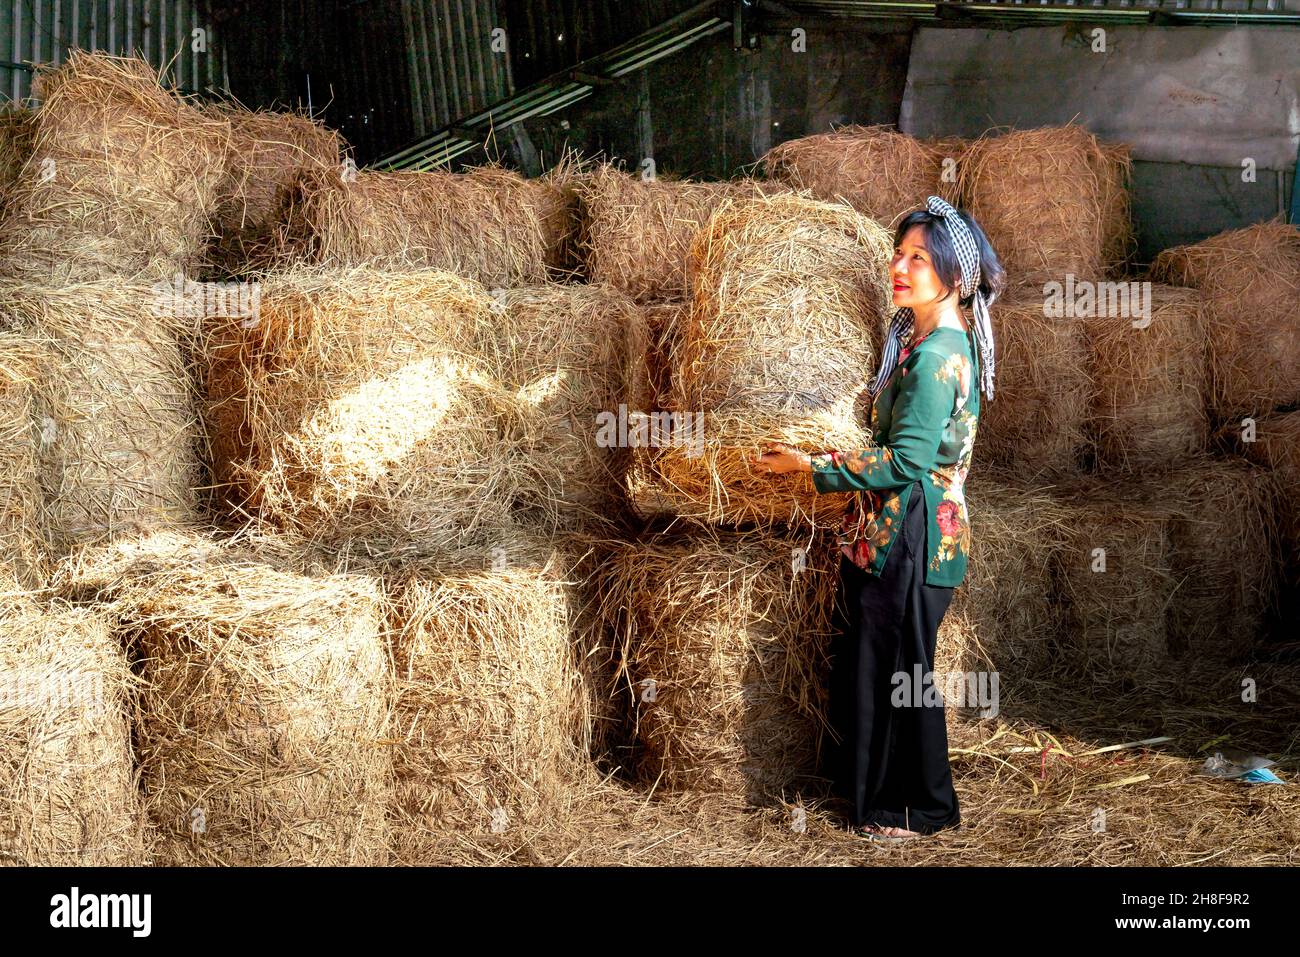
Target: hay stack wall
{"type": "Point", "coordinates": [788, 311]}
{"type": "Point", "coordinates": [1052, 201]}
{"type": "Point", "coordinates": [268, 153]}
{"type": "Point", "coordinates": [1149, 377]}
{"type": "Point", "coordinates": [636, 233]}
{"type": "Point", "coordinates": [266, 701]}
{"type": "Point", "coordinates": [877, 170]}
{"type": "Point", "coordinates": [121, 180]}
{"type": "Point", "coordinates": [1273, 442]}
{"type": "Point", "coordinates": [725, 639]}
{"type": "Point", "coordinates": [355, 408]}
{"type": "Point", "coordinates": [1250, 279]}
{"type": "Point", "coordinates": [68, 788]}
{"type": "Point", "coordinates": [17, 132]}
{"type": "Point", "coordinates": [489, 223]}
{"type": "Point", "coordinates": [491, 720]}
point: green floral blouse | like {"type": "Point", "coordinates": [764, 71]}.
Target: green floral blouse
{"type": "Point", "coordinates": [928, 411]}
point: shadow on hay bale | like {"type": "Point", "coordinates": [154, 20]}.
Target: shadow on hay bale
{"type": "Point", "coordinates": [68, 787]}
{"type": "Point", "coordinates": [725, 641]}
{"type": "Point", "coordinates": [121, 180]}
{"type": "Point", "coordinates": [1149, 406]}
{"type": "Point", "coordinates": [1035, 423]}
{"type": "Point", "coordinates": [1251, 281]}
{"type": "Point", "coordinates": [266, 698]}
{"type": "Point", "coordinates": [268, 152]}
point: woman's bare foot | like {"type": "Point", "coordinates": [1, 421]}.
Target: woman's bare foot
{"type": "Point", "coordinates": [897, 833]}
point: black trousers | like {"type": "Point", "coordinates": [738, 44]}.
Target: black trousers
{"type": "Point", "coordinates": [891, 761]}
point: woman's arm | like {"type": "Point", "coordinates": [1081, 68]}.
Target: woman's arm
{"type": "Point", "coordinates": [921, 410]}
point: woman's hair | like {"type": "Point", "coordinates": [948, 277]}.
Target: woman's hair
{"type": "Point", "coordinates": [938, 240]}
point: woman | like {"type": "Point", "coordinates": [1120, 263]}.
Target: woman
{"type": "Point", "coordinates": [906, 534]}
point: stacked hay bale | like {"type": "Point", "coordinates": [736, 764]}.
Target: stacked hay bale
{"type": "Point", "coordinates": [1224, 553]}
{"type": "Point", "coordinates": [877, 170]}
{"type": "Point", "coordinates": [1035, 423]}
{"type": "Point", "coordinates": [488, 224]}
{"type": "Point", "coordinates": [1114, 570]}
{"type": "Point", "coordinates": [17, 131]}
{"type": "Point", "coordinates": [23, 537]}
{"type": "Point", "coordinates": [1148, 373]}
{"type": "Point", "coordinates": [787, 314]}
{"type": "Point", "coordinates": [113, 406]}
{"type": "Point", "coordinates": [1052, 201]}
{"type": "Point", "coordinates": [636, 233]}
{"type": "Point", "coordinates": [68, 789]}
{"type": "Point", "coordinates": [265, 709]}
{"type": "Point", "coordinates": [725, 641]}
{"type": "Point", "coordinates": [268, 153]}
{"type": "Point", "coordinates": [1006, 616]}
{"type": "Point", "coordinates": [569, 352]}
{"type": "Point", "coordinates": [1249, 278]}
{"type": "Point", "coordinates": [492, 719]}
{"type": "Point", "coordinates": [354, 407]}
{"type": "Point", "coordinates": [121, 180]}
{"type": "Point", "coordinates": [1273, 442]}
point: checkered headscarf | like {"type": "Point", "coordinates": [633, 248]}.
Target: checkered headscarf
{"type": "Point", "coordinates": [969, 257]}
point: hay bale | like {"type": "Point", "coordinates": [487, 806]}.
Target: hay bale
{"type": "Point", "coordinates": [269, 151]}
{"type": "Point", "coordinates": [1149, 403]}
{"type": "Point", "coordinates": [1051, 200]}
{"type": "Point", "coordinates": [488, 224]}
{"type": "Point", "coordinates": [490, 720]}
{"type": "Point", "coordinates": [1035, 423]}
{"type": "Point", "coordinates": [789, 307]}
{"type": "Point", "coordinates": [1275, 445]}
{"type": "Point", "coordinates": [1114, 569]}
{"type": "Point", "coordinates": [68, 788]}
{"type": "Point", "coordinates": [1224, 554]}
{"type": "Point", "coordinates": [265, 711]}
{"type": "Point", "coordinates": [121, 181]}
{"type": "Point", "coordinates": [354, 407]}
{"type": "Point", "coordinates": [1006, 617]}
{"type": "Point", "coordinates": [119, 443]}
{"type": "Point", "coordinates": [636, 234]}
{"type": "Point", "coordinates": [877, 170]}
{"type": "Point", "coordinates": [570, 353]}
{"type": "Point", "coordinates": [17, 133]}
{"type": "Point", "coordinates": [726, 648]}
{"type": "Point", "coordinates": [1251, 281]}
{"type": "Point", "coordinates": [23, 539]}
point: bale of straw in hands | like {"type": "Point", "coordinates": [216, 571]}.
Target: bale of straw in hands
{"type": "Point", "coordinates": [789, 308]}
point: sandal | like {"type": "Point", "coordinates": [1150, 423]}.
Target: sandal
{"type": "Point", "coordinates": [875, 832]}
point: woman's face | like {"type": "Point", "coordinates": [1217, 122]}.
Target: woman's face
{"type": "Point", "coordinates": [915, 281]}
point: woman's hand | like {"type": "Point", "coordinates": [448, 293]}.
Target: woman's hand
{"type": "Point", "coordinates": [780, 458]}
